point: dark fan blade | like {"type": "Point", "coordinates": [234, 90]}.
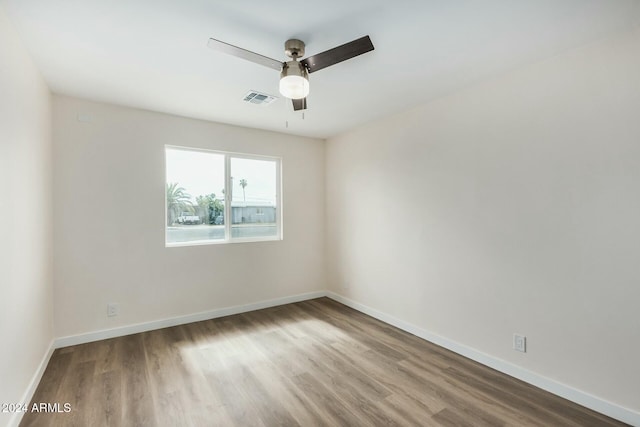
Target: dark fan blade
{"type": "Point", "coordinates": [338, 54]}
{"type": "Point", "coordinates": [299, 104]}
{"type": "Point", "coordinates": [244, 54]}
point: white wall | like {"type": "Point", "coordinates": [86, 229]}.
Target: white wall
{"type": "Point", "coordinates": [512, 206]}
{"type": "Point", "coordinates": [109, 213]}
{"type": "Point", "coordinates": [26, 301]}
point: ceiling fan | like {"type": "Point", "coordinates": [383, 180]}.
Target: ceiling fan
{"type": "Point", "coordinates": [294, 74]}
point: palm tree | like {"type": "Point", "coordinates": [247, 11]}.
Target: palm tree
{"type": "Point", "coordinates": [243, 184]}
{"type": "Point", "coordinates": [178, 200]}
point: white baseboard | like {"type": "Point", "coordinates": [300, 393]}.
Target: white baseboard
{"type": "Point", "coordinates": [181, 320]}
{"type": "Point", "coordinates": [15, 419]}
{"type": "Point", "coordinates": [580, 397]}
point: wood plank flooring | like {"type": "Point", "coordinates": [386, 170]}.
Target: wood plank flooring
{"type": "Point", "coordinates": [314, 363]}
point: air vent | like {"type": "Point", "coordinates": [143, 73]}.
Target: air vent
{"type": "Point", "coordinates": [258, 98]}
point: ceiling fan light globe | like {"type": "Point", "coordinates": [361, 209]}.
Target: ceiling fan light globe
{"type": "Point", "coordinates": [294, 87]}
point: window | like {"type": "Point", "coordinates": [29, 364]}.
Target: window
{"type": "Point", "coordinates": [217, 197]}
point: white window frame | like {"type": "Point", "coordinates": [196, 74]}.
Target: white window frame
{"type": "Point", "coordinates": [228, 196]}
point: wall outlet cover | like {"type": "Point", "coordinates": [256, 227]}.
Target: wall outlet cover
{"type": "Point", "coordinates": [520, 343]}
{"type": "Point", "coordinates": [113, 309]}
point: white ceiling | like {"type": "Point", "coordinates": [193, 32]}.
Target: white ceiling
{"type": "Point", "coordinates": [153, 54]}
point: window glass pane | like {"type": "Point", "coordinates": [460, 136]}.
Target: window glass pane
{"type": "Point", "coordinates": [253, 205]}
{"type": "Point", "coordinates": [195, 196]}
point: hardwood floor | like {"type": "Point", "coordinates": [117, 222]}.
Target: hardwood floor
{"type": "Point", "coordinates": [314, 363]}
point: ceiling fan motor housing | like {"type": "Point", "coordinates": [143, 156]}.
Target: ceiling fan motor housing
{"type": "Point", "coordinates": [294, 80]}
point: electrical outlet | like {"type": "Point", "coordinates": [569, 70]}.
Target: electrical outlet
{"type": "Point", "coordinates": [113, 309]}
{"type": "Point", "coordinates": [520, 343]}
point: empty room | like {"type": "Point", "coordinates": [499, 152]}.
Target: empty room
{"type": "Point", "coordinates": [341, 213]}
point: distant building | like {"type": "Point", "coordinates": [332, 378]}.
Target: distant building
{"type": "Point", "coordinates": [252, 213]}
{"type": "Point", "coordinates": [241, 213]}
